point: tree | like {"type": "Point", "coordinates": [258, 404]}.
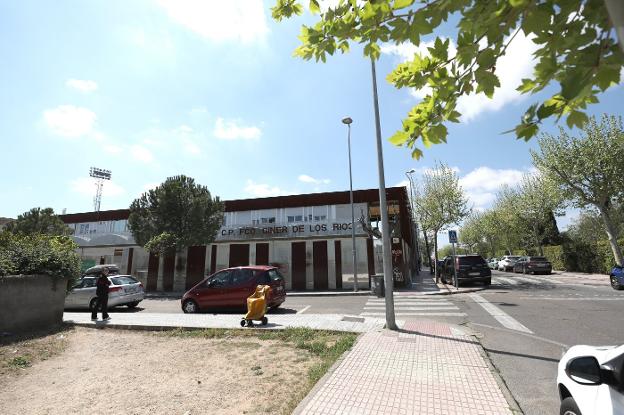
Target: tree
{"type": "Point", "coordinates": [588, 169]}
{"type": "Point", "coordinates": [441, 200]}
{"type": "Point", "coordinates": [576, 48]}
{"type": "Point", "coordinates": [175, 215]}
{"type": "Point", "coordinates": [589, 226]}
{"type": "Point", "coordinates": [38, 221]}
{"type": "Point", "coordinates": [471, 233]}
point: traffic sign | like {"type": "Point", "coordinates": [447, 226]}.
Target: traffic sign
{"type": "Point", "coordinates": [452, 235]}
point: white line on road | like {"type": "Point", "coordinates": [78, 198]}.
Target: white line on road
{"type": "Point", "coordinates": [574, 298]}
{"type": "Point", "coordinates": [502, 317]}
{"type": "Point", "coordinates": [506, 281]}
{"type": "Point", "coordinates": [432, 303]}
{"type": "Point", "coordinates": [416, 314]}
{"type": "Point", "coordinates": [303, 310]}
{"type": "Point", "coordinates": [414, 308]}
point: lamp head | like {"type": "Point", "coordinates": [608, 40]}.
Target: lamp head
{"type": "Point", "coordinates": [410, 171]}
{"type": "Point", "coordinates": [347, 120]}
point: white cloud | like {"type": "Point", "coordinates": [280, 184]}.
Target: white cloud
{"type": "Point", "coordinates": [308, 179]}
{"type": "Point", "coordinates": [231, 130]}
{"type": "Point", "coordinates": [70, 121]}
{"type": "Point", "coordinates": [516, 64]}
{"type": "Point", "coordinates": [141, 153]}
{"type": "Point", "coordinates": [82, 85]}
{"type": "Point", "coordinates": [113, 149]}
{"type": "Point", "coordinates": [219, 21]}
{"type": "Point", "coordinates": [264, 190]}
{"type": "Point", "coordinates": [86, 186]}
{"type": "Point", "coordinates": [482, 183]}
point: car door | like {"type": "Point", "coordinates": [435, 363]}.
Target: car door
{"type": "Point", "coordinates": [210, 294]}
{"type": "Point", "coordinates": [242, 286]}
{"type": "Point", "coordinates": [83, 293]}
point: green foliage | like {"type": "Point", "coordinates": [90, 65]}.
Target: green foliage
{"type": "Point", "coordinates": [38, 254]}
{"type": "Point", "coordinates": [556, 256]}
{"type": "Point", "coordinates": [576, 50]}
{"type": "Point", "coordinates": [579, 256]}
{"type": "Point", "coordinates": [177, 214]}
{"type": "Point", "coordinates": [38, 220]}
{"type": "Point", "coordinates": [587, 170]}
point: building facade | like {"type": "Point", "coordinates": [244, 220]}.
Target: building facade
{"type": "Point", "coordinates": [308, 237]}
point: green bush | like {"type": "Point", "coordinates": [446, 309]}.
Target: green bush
{"type": "Point", "coordinates": [579, 256]}
{"type": "Point", "coordinates": [604, 256]}
{"type": "Point", "coordinates": [556, 256]}
{"type": "Point", "coordinates": [38, 254]}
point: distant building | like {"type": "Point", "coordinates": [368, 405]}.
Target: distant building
{"type": "Point", "coordinates": [307, 236]}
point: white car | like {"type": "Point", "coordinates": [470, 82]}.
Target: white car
{"type": "Point", "coordinates": [507, 262]}
{"type": "Point", "coordinates": [124, 290]}
{"type": "Point", "coordinates": [590, 381]}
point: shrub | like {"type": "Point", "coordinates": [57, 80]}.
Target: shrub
{"type": "Point", "coordinates": [556, 256]}
{"type": "Point", "coordinates": [38, 254]}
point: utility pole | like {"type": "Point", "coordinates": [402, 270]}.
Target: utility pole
{"type": "Point", "coordinates": [385, 223]}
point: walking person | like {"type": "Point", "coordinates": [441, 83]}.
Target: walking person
{"type": "Point", "coordinates": [102, 296]}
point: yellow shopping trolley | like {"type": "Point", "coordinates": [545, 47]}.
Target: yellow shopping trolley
{"type": "Point", "coordinates": [256, 307]}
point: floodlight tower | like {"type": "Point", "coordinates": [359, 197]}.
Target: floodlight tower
{"type": "Point", "coordinates": [99, 175]}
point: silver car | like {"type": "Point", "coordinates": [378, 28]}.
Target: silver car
{"type": "Point", "coordinates": [124, 290]}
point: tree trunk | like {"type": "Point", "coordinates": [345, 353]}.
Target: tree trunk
{"type": "Point", "coordinates": [537, 240]}
{"type": "Point", "coordinates": [611, 234]}
{"type": "Point", "coordinates": [615, 8]}
{"type": "Point", "coordinates": [427, 248]}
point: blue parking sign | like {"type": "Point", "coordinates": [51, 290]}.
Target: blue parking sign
{"type": "Point", "coordinates": [452, 235]}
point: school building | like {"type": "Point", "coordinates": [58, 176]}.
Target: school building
{"type": "Point", "coordinates": [307, 236]}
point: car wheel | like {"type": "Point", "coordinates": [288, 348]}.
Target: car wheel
{"type": "Point", "coordinates": [190, 306]}
{"type": "Point", "coordinates": [615, 284]}
{"type": "Point", "coordinates": [569, 407]}
{"type": "Point", "coordinates": [133, 305]}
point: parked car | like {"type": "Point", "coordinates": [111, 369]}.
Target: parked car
{"type": "Point", "coordinates": [617, 278]}
{"type": "Point", "coordinates": [507, 262]}
{"type": "Point", "coordinates": [229, 288]}
{"type": "Point", "coordinates": [533, 265]}
{"type": "Point", "coordinates": [124, 290]}
{"type": "Point", "coordinates": [493, 263]}
{"type": "Point", "coordinates": [469, 268]}
{"type": "Point", "coordinates": [590, 380]}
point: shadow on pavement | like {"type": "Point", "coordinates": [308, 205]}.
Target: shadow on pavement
{"type": "Point", "coordinates": [527, 356]}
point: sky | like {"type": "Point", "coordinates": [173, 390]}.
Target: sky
{"type": "Point", "coordinates": [210, 89]}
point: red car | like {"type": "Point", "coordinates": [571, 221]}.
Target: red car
{"type": "Point", "coordinates": [229, 288]}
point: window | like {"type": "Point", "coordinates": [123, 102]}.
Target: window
{"type": "Point", "coordinates": [88, 282]}
{"type": "Point", "coordinates": [221, 279]}
{"type": "Point", "coordinates": [291, 219]}
{"type": "Point", "coordinates": [320, 218]}
{"type": "Point", "coordinates": [268, 220]}
{"type": "Point", "coordinates": [275, 275]}
{"type": "Point", "coordinates": [263, 278]}
{"type": "Point", "coordinates": [241, 276]}
{"type": "Point", "coordinates": [298, 218]}
{"type": "Point", "coordinates": [123, 280]}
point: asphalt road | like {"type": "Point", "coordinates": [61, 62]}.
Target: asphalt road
{"type": "Point", "coordinates": [525, 323]}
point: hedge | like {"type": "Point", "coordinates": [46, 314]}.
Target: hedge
{"type": "Point", "coordinates": [582, 257]}
{"type": "Point", "coordinates": [38, 254]}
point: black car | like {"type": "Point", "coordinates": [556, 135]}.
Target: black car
{"type": "Point", "coordinates": [533, 265]}
{"type": "Point", "coordinates": [469, 268]}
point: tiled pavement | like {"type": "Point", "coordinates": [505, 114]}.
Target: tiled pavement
{"type": "Point", "coordinates": [428, 368]}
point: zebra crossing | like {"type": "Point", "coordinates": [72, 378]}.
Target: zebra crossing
{"type": "Point", "coordinates": [524, 280]}
{"type": "Point", "coordinates": [406, 305]}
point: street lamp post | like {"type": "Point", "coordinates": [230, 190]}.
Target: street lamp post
{"type": "Point", "coordinates": [412, 205]}
{"type": "Point", "coordinates": [348, 121]}
{"type": "Point", "coordinates": [385, 223]}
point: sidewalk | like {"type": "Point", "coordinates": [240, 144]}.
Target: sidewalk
{"type": "Point", "coordinates": [425, 368]}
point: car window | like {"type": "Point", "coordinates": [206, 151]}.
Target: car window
{"type": "Point", "coordinates": [88, 282]}
{"type": "Point", "coordinates": [538, 258]}
{"type": "Point", "coordinates": [263, 278]}
{"type": "Point", "coordinates": [471, 260]}
{"type": "Point", "coordinates": [221, 279]}
{"type": "Point", "coordinates": [275, 275]}
{"type": "Point", "coordinates": [123, 280]}
{"type": "Point", "coordinates": [241, 276]}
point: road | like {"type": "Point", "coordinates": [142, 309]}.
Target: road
{"type": "Point", "coordinates": [524, 323]}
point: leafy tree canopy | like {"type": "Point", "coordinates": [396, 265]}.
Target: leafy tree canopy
{"type": "Point", "coordinates": [577, 50]}
{"type": "Point", "coordinates": [38, 221]}
{"type": "Point", "coordinates": [177, 214]}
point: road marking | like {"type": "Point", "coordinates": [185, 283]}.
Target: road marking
{"type": "Point", "coordinates": [548, 280]}
{"type": "Point", "coordinates": [502, 317]}
{"type": "Point", "coordinates": [574, 298]}
{"type": "Point", "coordinates": [414, 308]}
{"type": "Point", "coordinates": [369, 314]}
{"type": "Point", "coordinates": [303, 310]}
{"type": "Point", "coordinates": [506, 281]}
{"type": "Point", "coordinates": [562, 345]}
{"type": "Point", "coordinates": [419, 302]}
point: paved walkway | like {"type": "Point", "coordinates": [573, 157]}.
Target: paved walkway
{"type": "Point", "coordinates": [428, 368]}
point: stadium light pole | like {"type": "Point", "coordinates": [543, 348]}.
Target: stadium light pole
{"type": "Point", "coordinates": [385, 223]}
{"type": "Point", "coordinates": [99, 175]}
{"type": "Point", "coordinates": [348, 121]}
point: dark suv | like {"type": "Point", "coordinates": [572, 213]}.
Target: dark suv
{"type": "Point", "coordinates": [469, 268]}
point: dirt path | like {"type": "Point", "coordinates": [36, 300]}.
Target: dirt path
{"type": "Point", "coordinates": [122, 372]}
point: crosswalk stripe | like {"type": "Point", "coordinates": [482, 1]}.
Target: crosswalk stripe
{"type": "Point", "coordinates": [423, 302]}
{"type": "Point", "coordinates": [369, 314]}
{"type": "Point", "coordinates": [548, 280]}
{"type": "Point", "coordinates": [505, 281]}
{"type": "Point", "coordinates": [529, 280]}
{"type": "Point", "coordinates": [414, 308]}
{"type": "Point", "coordinates": [505, 319]}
